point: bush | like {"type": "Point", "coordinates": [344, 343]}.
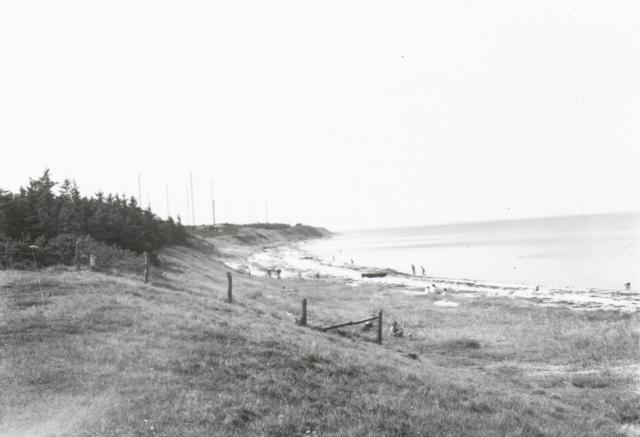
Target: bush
{"type": "Point", "coordinates": [109, 257]}
{"type": "Point", "coordinates": [14, 254]}
{"type": "Point", "coordinates": [36, 216]}
{"type": "Point", "coordinates": [62, 250]}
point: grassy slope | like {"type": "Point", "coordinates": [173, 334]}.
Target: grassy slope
{"type": "Point", "coordinates": [107, 355]}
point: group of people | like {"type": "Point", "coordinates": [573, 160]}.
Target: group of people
{"type": "Point", "coordinates": [413, 270]}
{"type": "Point", "coordinates": [274, 273]}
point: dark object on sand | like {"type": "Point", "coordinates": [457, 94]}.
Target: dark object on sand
{"type": "Point", "coordinates": [397, 330]}
{"type": "Point", "coordinates": [627, 286]}
{"type": "Point", "coordinates": [374, 275]}
{"type": "Point", "coordinates": [276, 272]}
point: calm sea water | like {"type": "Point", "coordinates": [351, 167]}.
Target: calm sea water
{"type": "Point", "coordinates": [597, 251]}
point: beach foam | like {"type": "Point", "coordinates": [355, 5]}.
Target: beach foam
{"type": "Point", "coordinates": [294, 260]}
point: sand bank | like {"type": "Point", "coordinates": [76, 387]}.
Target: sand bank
{"type": "Point", "coordinates": [295, 261]}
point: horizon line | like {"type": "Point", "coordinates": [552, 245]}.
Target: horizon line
{"type": "Point", "coordinates": [486, 221]}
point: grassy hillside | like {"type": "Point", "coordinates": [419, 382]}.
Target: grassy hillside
{"type": "Point", "coordinates": [260, 234]}
{"type": "Point", "coordinates": [107, 355]}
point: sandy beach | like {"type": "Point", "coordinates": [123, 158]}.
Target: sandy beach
{"type": "Point", "coordinates": [319, 219]}
{"type": "Point", "coordinates": [295, 261]}
{"type": "Point", "coordinates": [174, 357]}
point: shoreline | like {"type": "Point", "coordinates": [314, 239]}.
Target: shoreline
{"type": "Point", "coordinates": [294, 261]}
{"type": "Point", "coordinates": [463, 366]}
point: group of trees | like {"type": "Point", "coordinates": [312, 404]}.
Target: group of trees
{"type": "Point", "coordinates": [39, 216]}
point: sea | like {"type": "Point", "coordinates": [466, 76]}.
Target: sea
{"type": "Point", "coordinates": [586, 251]}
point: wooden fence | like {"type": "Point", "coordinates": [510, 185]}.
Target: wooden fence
{"type": "Point", "coordinates": [378, 317]}
{"type": "Point", "coordinates": [303, 318]}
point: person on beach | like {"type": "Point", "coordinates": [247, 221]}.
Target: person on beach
{"type": "Point", "coordinates": [627, 286]}
{"type": "Point", "coordinates": [272, 272]}
{"type": "Point", "coordinates": [423, 271]}
{"type": "Point", "coordinates": [413, 269]}
{"type": "Point", "coordinates": [396, 329]}
{"type": "Point", "coordinates": [351, 260]}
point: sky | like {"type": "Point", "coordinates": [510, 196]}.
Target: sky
{"type": "Point", "coordinates": [345, 114]}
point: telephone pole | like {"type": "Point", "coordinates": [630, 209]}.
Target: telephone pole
{"type": "Point", "coordinates": [193, 211]}
{"type": "Point", "coordinates": [186, 219]}
{"type": "Point", "coordinates": [166, 190]}
{"type": "Point", "coordinates": [213, 203]}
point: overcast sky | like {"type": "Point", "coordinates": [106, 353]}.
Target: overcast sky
{"type": "Point", "coordinates": [347, 114]}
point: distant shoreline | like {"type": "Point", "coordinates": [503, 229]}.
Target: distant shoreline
{"type": "Point", "coordinates": [490, 222]}
{"type": "Point", "coordinates": [296, 261]}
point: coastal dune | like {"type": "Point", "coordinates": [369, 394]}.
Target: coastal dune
{"type": "Point", "coordinates": [105, 354]}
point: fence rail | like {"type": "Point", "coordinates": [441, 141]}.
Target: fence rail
{"type": "Point", "coordinates": [303, 322]}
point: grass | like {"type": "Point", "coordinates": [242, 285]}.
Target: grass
{"type": "Point", "coordinates": [107, 355]}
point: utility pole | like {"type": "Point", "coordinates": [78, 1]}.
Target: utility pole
{"type": "Point", "coordinates": [193, 211]}
{"type": "Point", "coordinates": [213, 203]}
{"type": "Point", "coordinates": [188, 207]}
{"type": "Point", "coordinates": [166, 189]}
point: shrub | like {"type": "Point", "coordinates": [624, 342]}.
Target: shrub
{"type": "Point", "coordinates": [37, 216]}
{"type": "Point", "coordinates": [109, 257]}
{"type": "Point", "coordinates": [60, 249]}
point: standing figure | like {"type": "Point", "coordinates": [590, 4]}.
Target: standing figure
{"type": "Point", "coordinates": [413, 269]}
{"type": "Point", "coordinates": [396, 329]}
{"type": "Point", "coordinates": [627, 286]}
{"type": "Point", "coordinates": [423, 271]}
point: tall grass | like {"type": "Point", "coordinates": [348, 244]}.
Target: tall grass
{"type": "Point", "coordinates": [107, 355]}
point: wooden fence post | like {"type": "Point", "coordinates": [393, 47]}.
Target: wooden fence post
{"type": "Point", "coordinates": [303, 319]}
{"type": "Point", "coordinates": [146, 267]}
{"type": "Point", "coordinates": [229, 288]}
{"type": "Point", "coordinates": [379, 340]}
{"type": "Point", "coordinates": [77, 257]}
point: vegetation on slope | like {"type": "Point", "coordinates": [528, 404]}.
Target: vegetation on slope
{"type": "Point", "coordinates": [110, 356]}
{"type": "Point", "coordinates": [54, 222]}
{"type": "Point", "coordinates": [259, 233]}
